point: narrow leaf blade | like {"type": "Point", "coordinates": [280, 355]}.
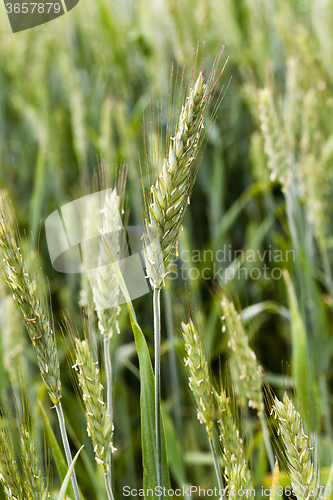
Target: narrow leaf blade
{"type": "Point", "coordinates": [68, 476]}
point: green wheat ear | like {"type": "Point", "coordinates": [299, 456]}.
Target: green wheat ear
{"type": "Point", "coordinates": [244, 361]}
{"type": "Point", "coordinates": [107, 289]}
{"type": "Point", "coordinates": [24, 481]}
{"type": "Point", "coordinates": [33, 484]}
{"type": "Point", "coordinates": [212, 405]}
{"type": "Point", "coordinates": [169, 196]}
{"type": "Point", "coordinates": [10, 476]}
{"type": "Point", "coordinates": [236, 471]}
{"type": "Point", "coordinates": [198, 375]}
{"type": "Point", "coordinates": [99, 424]}
{"type": "Point", "coordinates": [275, 140]}
{"type": "Point", "coordinates": [302, 472]}
{"type": "Point", "coordinates": [32, 305]}
{"type": "Point", "coordinates": [245, 371]}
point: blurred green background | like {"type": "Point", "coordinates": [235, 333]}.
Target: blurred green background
{"type": "Point", "coordinates": [78, 87]}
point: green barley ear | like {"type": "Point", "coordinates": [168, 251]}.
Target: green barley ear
{"type": "Point", "coordinates": [35, 311]}
{"type": "Point", "coordinates": [236, 471]}
{"type": "Point", "coordinates": [198, 375]}
{"type": "Point", "coordinates": [10, 476]}
{"type": "Point", "coordinates": [169, 196]}
{"type": "Point", "coordinates": [244, 360]}
{"type": "Point", "coordinates": [302, 473]}
{"type": "Point", "coordinates": [99, 424]}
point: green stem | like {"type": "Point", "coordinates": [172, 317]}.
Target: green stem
{"type": "Point", "coordinates": [173, 363]}
{"type": "Point", "coordinates": [108, 371]}
{"type": "Point", "coordinates": [216, 465]}
{"type": "Point", "coordinates": [157, 342]}
{"type": "Point", "coordinates": [68, 454]}
{"type": "Point", "coordinates": [267, 442]}
{"type": "Point", "coordinates": [108, 486]}
{"type": "Point", "coordinates": [109, 401]}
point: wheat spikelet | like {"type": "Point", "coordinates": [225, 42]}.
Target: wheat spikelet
{"type": "Point", "coordinates": [107, 290]}
{"type": "Point", "coordinates": [9, 473]}
{"type": "Point", "coordinates": [236, 472]}
{"type": "Point", "coordinates": [199, 380]}
{"type": "Point", "coordinates": [99, 424]}
{"type": "Point", "coordinates": [302, 473]}
{"type": "Point", "coordinates": [35, 312]}
{"type": "Point", "coordinates": [170, 194]}
{"type": "Point", "coordinates": [244, 359]}
{"type": "Point", "coordinates": [239, 481]}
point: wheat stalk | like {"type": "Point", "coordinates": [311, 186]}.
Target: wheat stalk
{"type": "Point", "coordinates": [107, 291]}
{"type": "Point", "coordinates": [302, 472]}
{"type": "Point", "coordinates": [165, 206]}
{"type": "Point", "coordinates": [38, 319]}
